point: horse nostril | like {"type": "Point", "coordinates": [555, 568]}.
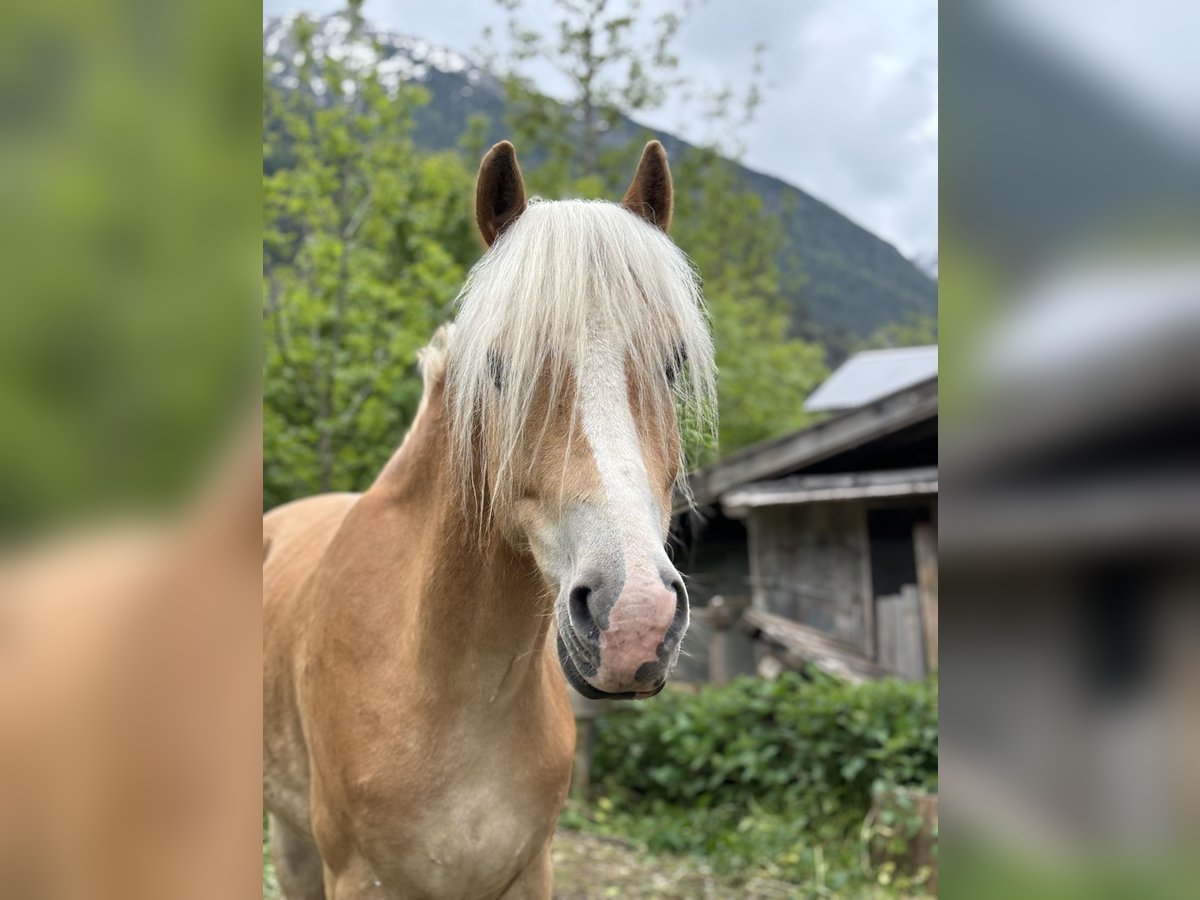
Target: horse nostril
{"type": "Point", "coordinates": [681, 611]}
{"type": "Point", "coordinates": [681, 600]}
{"type": "Point", "coordinates": [577, 608]}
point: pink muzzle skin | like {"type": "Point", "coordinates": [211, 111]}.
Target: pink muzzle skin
{"type": "Point", "coordinates": [644, 628]}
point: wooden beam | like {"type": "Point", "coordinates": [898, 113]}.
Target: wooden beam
{"type": "Point", "coordinates": [925, 550]}
{"type": "Point", "coordinates": [826, 488]}
{"type": "Point", "coordinates": [900, 638]}
{"type": "Point", "coordinates": [585, 748]}
{"type": "Point", "coordinates": [801, 644]}
{"type": "Point", "coordinates": [721, 614]}
{"type": "Point", "coordinates": [866, 588]}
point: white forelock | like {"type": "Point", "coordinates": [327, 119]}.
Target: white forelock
{"type": "Point", "coordinates": [562, 276]}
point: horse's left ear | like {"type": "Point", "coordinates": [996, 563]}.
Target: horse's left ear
{"type": "Point", "coordinates": [500, 191]}
{"type": "Point", "coordinates": [650, 194]}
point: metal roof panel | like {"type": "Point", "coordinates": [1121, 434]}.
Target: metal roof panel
{"type": "Point", "coordinates": [872, 374]}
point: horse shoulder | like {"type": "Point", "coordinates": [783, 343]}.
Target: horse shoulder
{"type": "Point", "coordinates": [295, 537]}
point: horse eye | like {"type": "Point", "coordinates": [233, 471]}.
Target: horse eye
{"type": "Point", "coordinates": [675, 363]}
{"type": "Point", "coordinates": [496, 367]}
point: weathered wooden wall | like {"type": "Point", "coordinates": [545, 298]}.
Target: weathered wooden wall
{"type": "Point", "coordinates": [822, 565]}
{"type": "Point", "coordinates": [811, 563]}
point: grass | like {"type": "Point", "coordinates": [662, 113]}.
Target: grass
{"type": "Point", "coordinates": [598, 867]}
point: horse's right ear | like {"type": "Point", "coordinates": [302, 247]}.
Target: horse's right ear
{"type": "Point", "coordinates": [500, 191]}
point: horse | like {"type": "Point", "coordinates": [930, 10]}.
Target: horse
{"type": "Point", "coordinates": [418, 734]}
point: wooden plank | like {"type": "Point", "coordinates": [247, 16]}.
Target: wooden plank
{"type": "Point", "coordinates": [886, 627]}
{"type": "Point", "coordinates": [901, 645]}
{"type": "Point", "coordinates": [695, 662]}
{"type": "Point", "coordinates": [925, 550]}
{"type": "Point", "coordinates": [585, 746]}
{"type": "Point", "coordinates": [720, 667]}
{"type": "Point", "coordinates": [723, 612]}
{"type": "Point", "coordinates": [801, 644]}
{"type": "Point", "coordinates": [866, 589]}
{"type": "Point", "coordinates": [720, 616]}
{"type": "Point", "coordinates": [912, 656]}
{"type": "Point", "coordinates": [830, 488]}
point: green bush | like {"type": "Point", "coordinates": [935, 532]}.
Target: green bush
{"type": "Point", "coordinates": [810, 744]}
{"type": "Point", "coordinates": [765, 776]}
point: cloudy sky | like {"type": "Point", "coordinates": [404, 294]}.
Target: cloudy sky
{"type": "Point", "coordinates": [850, 109]}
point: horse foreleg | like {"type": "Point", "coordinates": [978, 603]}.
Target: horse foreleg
{"type": "Point", "coordinates": [355, 881]}
{"type": "Point", "coordinates": [534, 882]}
{"type": "Point", "coordinates": [297, 863]}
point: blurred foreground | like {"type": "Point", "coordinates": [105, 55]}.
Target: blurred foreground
{"type": "Point", "coordinates": [130, 478]}
{"type": "Point", "coordinates": [1070, 517]}
{"type": "Point", "coordinates": [130, 703]}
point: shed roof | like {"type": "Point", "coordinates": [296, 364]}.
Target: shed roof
{"type": "Point", "coordinates": [867, 376]}
{"type": "Point", "coordinates": [913, 406]}
{"type": "Point", "coordinates": [824, 488]}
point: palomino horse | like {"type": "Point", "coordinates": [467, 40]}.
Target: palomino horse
{"type": "Point", "coordinates": [418, 736]}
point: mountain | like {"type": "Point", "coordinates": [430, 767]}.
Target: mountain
{"type": "Point", "coordinates": [842, 280]}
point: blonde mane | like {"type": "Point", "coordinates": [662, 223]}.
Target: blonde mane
{"type": "Point", "coordinates": [562, 275]}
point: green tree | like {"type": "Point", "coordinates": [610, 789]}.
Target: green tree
{"type": "Point", "coordinates": [366, 242]}
{"type": "Point", "coordinates": [764, 374]}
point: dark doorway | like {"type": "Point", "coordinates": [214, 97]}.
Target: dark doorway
{"type": "Point", "coordinates": [893, 563]}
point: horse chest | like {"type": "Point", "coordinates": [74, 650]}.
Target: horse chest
{"type": "Point", "coordinates": [471, 837]}
{"type": "Point", "coordinates": [478, 838]}
{"type": "Point", "coordinates": [462, 816]}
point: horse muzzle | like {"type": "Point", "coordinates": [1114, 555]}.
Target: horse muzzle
{"type": "Point", "coordinates": [621, 641]}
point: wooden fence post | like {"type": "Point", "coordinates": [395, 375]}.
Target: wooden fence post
{"type": "Point", "coordinates": [585, 745]}
{"type": "Point", "coordinates": [722, 614]}
{"type": "Point", "coordinates": [925, 549]}
{"type": "Point", "coordinates": [586, 712]}
{"type": "Point", "coordinates": [900, 638]}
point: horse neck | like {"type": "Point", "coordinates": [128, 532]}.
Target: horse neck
{"type": "Point", "coordinates": [481, 616]}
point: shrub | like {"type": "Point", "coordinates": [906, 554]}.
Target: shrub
{"type": "Point", "coordinates": [803, 743]}
{"type": "Point", "coordinates": [759, 774]}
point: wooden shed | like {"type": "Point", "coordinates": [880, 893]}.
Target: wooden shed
{"type": "Point", "coordinates": [821, 546]}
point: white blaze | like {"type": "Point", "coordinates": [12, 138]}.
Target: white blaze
{"type": "Point", "coordinates": [611, 433]}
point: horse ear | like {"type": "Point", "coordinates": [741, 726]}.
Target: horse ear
{"type": "Point", "coordinates": [500, 191]}
{"type": "Point", "coordinates": [650, 193]}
